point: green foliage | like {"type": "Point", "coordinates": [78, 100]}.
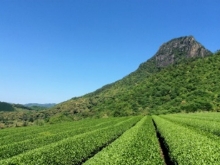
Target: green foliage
{"type": "Point", "coordinates": [138, 145]}
{"type": "Point", "coordinates": [11, 146]}
{"type": "Point", "coordinates": [39, 122]}
{"type": "Point", "coordinates": [201, 123]}
{"type": "Point", "coordinates": [72, 148]}
{"type": "Point", "coordinates": [191, 138]}
{"type": "Point", "coordinates": [59, 118]}
{"type": "Point", "coordinates": [186, 145]}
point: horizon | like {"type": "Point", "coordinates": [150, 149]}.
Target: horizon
{"type": "Point", "coordinates": [52, 51]}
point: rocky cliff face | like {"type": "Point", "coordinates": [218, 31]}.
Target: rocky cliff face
{"type": "Point", "coordinates": [178, 49]}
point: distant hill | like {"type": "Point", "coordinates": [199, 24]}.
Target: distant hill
{"type": "Point", "coordinates": [9, 107]}
{"type": "Point", "coordinates": [21, 107]}
{"type": "Point", "coordinates": [6, 107]}
{"type": "Point", "coordinates": [47, 105]}
{"type": "Point", "coordinates": [37, 106]}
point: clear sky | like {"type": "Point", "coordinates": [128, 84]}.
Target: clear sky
{"type": "Point", "coordinates": [53, 50]}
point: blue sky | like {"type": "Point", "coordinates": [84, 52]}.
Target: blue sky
{"type": "Point", "coordinates": [53, 50]}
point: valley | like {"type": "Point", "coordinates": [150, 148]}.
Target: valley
{"type": "Point", "coordinates": [108, 82]}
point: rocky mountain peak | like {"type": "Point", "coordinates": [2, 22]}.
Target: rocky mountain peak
{"type": "Point", "coordinates": [178, 49]}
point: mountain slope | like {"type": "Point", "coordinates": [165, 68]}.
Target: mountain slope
{"type": "Point", "coordinates": [171, 52]}
{"type": "Point", "coordinates": [115, 99]}
{"type": "Point", "coordinates": [190, 86]}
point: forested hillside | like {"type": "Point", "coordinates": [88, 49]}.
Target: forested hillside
{"type": "Point", "coordinates": [192, 85]}
{"type": "Point", "coordinates": [147, 88]}
{"type": "Point", "coordinates": [6, 107]}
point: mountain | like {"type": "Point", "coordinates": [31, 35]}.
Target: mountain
{"type": "Point", "coordinates": [183, 76]}
{"type": "Point", "coordinates": [117, 99]}
{"type": "Point", "coordinates": [171, 52]}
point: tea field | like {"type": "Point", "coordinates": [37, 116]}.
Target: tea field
{"type": "Point", "coordinates": [166, 139]}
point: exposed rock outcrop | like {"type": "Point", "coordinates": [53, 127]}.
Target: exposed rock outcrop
{"type": "Point", "coordinates": [178, 49]}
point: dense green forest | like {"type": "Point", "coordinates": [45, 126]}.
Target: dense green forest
{"type": "Point", "coordinates": [6, 107]}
